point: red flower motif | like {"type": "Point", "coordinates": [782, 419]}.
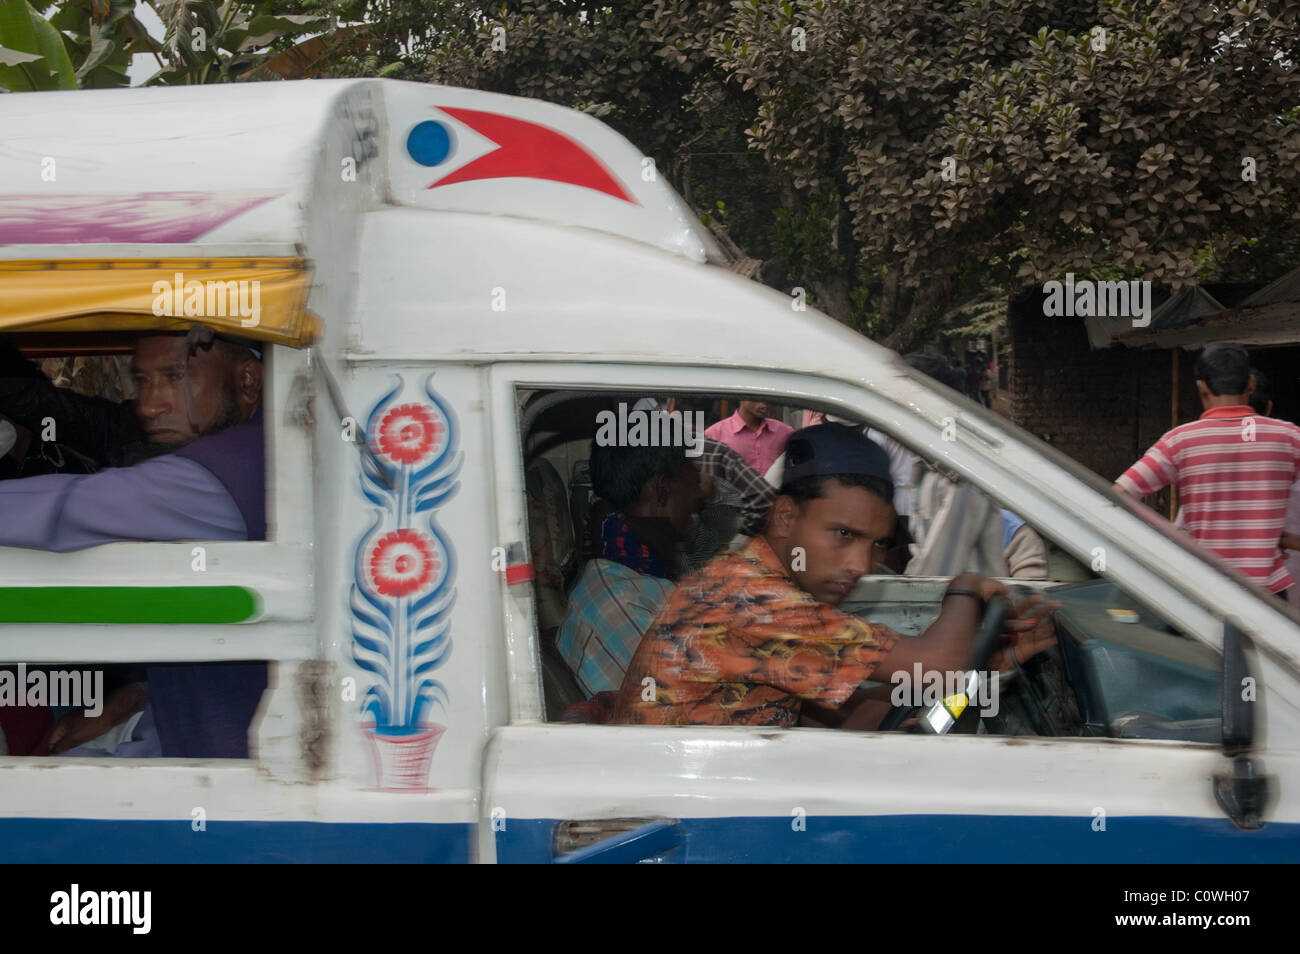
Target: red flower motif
{"type": "Point", "coordinates": [408, 433]}
{"type": "Point", "coordinates": [402, 563]}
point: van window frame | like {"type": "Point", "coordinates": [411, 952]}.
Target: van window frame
{"type": "Point", "coordinates": [509, 380]}
{"type": "Point", "coordinates": [278, 570]}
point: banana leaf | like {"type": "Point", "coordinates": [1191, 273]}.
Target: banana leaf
{"type": "Point", "coordinates": [23, 30]}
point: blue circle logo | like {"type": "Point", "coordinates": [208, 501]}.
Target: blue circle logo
{"type": "Point", "coordinates": [429, 143]}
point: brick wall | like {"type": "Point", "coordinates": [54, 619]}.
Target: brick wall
{"type": "Point", "coordinates": [1104, 408]}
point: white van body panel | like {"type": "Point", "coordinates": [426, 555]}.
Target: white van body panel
{"type": "Point", "coordinates": [809, 795]}
{"type": "Point", "coordinates": [253, 168]}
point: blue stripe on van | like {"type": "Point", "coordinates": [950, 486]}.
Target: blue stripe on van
{"type": "Point", "coordinates": [947, 839]}
{"type": "Point", "coordinates": [95, 841]}
{"type": "Point", "coordinates": [891, 838]}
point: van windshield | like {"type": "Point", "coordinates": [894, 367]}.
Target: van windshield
{"type": "Point", "coordinates": [990, 420]}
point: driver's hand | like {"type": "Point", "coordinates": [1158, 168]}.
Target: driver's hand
{"type": "Point", "coordinates": [985, 587]}
{"type": "Point", "coordinates": [1026, 632]}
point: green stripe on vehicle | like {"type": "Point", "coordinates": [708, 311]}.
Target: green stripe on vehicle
{"type": "Point", "coordinates": [127, 604]}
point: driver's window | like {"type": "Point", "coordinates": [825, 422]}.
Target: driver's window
{"type": "Point", "coordinates": [1119, 668]}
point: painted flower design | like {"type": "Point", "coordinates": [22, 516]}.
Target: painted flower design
{"type": "Point", "coordinates": [408, 433]}
{"type": "Point", "coordinates": [402, 563]}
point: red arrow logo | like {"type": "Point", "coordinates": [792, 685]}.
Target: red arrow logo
{"type": "Point", "coordinates": [528, 151]}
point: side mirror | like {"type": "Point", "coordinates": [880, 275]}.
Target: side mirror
{"type": "Point", "coordinates": [1238, 693]}
{"type": "Point", "coordinates": [1244, 793]}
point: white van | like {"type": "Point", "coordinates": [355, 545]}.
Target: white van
{"type": "Point", "coordinates": [449, 281]}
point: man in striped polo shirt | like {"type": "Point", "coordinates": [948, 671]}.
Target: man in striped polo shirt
{"type": "Point", "coordinates": [1233, 469]}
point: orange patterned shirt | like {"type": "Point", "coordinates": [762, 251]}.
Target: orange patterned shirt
{"type": "Point", "coordinates": [739, 643]}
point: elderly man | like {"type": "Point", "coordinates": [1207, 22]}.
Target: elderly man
{"type": "Point", "coordinates": [200, 398]}
{"type": "Point", "coordinates": [200, 394]}
{"type": "Point", "coordinates": [755, 636]}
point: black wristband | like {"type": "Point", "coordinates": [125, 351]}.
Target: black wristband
{"type": "Point", "coordinates": [959, 592]}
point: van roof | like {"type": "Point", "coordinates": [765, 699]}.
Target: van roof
{"type": "Point", "coordinates": [237, 169]}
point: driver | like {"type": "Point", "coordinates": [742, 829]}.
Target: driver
{"type": "Point", "coordinates": [755, 635]}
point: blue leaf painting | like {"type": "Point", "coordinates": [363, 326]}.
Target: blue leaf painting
{"type": "Point", "coordinates": [402, 635]}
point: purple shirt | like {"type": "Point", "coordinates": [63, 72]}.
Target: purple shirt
{"type": "Point", "coordinates": [203, 710]}
{"type": "Point", "coordinates": [166, 498]}
{"type": "Point", "coordinates": [760, 448]}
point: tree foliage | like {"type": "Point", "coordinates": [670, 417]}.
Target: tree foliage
{"type": "Point", "coordinates": [919, 156]}
{"type": "Point", "coordinates": [32, 56]}
{"type": "Point", "coordinates": [89, 44]}
{"type": "Point", "coordinates": [1078, 137]}
{"type": "Point", "coordinates": [209, 42]}
{"type": "Point", "coordinates": [101, 36]}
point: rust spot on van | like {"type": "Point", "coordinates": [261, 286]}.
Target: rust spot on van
{"type": "Point", "coordinates": [1015, 742]}
{"type": "Point", "coordinates": [314, 695]}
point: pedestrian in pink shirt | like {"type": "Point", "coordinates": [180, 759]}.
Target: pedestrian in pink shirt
{"type": "Point", "coordinates": [752, 434]}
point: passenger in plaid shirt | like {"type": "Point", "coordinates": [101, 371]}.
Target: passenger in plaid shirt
{"type": "Point", "coordinates": [657, 492]}
{"type": "Point", "coordinates": [723, 464]}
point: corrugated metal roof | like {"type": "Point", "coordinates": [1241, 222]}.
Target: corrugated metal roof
{"type": "Point", "coordinates": [1272, 326]}
{"type": "Point", "coordinates": [1202, 315]}
{"type": "Point", "coordinates": [1285, 289]}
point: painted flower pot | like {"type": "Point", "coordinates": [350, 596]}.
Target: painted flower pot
{"type": "Point", "coordinates": [402, 757]}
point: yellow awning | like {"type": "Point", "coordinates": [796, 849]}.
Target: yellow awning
{"type": "Point", "coordinates": [262, 298]}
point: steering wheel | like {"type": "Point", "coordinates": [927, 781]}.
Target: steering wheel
{"type": "Point", "coordinates": [986, 641]}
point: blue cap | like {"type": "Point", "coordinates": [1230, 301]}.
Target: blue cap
{"type": "Point", "coordinates": [834, 449]}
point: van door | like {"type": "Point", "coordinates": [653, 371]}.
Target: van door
{"type": "Point", "coordinates": [743, 794]}
{"type": "Point", "coordinates": [814, 795]}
